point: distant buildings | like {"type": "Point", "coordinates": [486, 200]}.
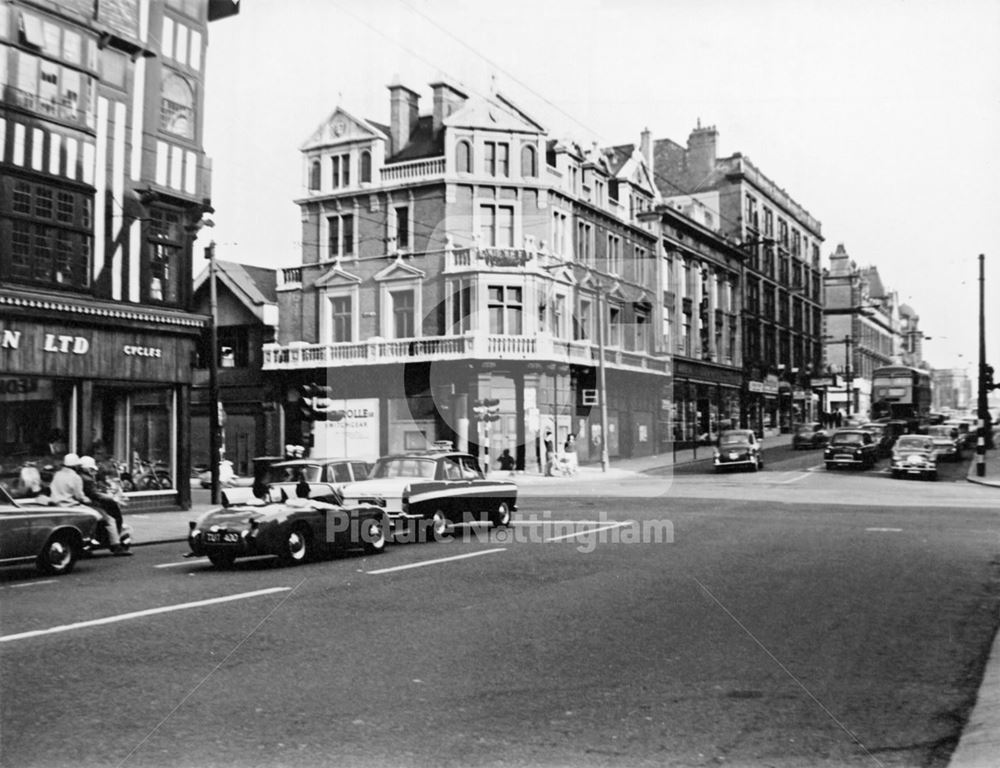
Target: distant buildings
{"type": "Point", "coordinates": [953, 390]}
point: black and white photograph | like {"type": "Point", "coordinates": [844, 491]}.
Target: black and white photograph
{"type": "Point", "coordinates": [448, 384]}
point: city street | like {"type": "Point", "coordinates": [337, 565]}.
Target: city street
{"type": "Point", "coordinates": [786, 618]}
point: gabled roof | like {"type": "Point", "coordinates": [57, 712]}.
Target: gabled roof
{"type": "Point", "coordinates": [875, 287]}
{"type": "Point", "coordinates": [336, 276]}
{"type": "Point", "coordinates": [254, 287]}
{"type": "Point", "coordinates": [399, 270]}
{"type": "Point", "coordinates": [341, 126]}
{"type": "Point", "coordinates": [495, 114]}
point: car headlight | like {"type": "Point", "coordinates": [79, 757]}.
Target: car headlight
{"type": "Point", "coordinates": [715, 453]}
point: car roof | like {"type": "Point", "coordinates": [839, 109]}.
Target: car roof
{"type": "Point", "coordinates": [430, 453]}
{"type": "Point", "coordinates": [308, 462]}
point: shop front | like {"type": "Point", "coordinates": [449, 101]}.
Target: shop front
{"type": "Point", "coordinates": [120, 394]}
{"type": "Point", "coordinates": [706, 401]}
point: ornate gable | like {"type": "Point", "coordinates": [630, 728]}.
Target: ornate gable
{"type": "Point", "coordinates": [341, 127]}
{"type": "Point", "coordinates": [337, 277]}
{"type": "Point", "coordinates": [399, 270]}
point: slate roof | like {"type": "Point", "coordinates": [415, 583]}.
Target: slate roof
{"type": "Point", "coordinates": [253, 286]}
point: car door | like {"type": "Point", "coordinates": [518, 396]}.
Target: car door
{"type": "Point", "coordinates": [15, 532]}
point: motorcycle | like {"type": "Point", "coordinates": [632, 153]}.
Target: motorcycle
{"type": "Point", "coordinates": [109, 496]}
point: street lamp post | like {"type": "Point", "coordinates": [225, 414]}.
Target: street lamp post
{"type": "Point", "coordinates": [214, 425]}
{"type": "Point", "coordinates": [601, 379]}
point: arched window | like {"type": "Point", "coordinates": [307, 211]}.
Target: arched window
{"type": "Point", "coordinates": [366, 166]}
{"type": "Point", "coordinates": [463, 157]}
{"type": "Point", "coordinates": [314, 172]}
{"type": "Point", "coordinates": [529, 161]}
{"type": "Point", "coordinates": [177, 106]}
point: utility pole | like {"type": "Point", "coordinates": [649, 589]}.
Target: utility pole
{"type": "Point", "coordinates": [848, 373]}
{"type": "Point", "coordinates": [213, 375]}
{"type": "Point", "coordinates": [602, 381]}
{"type": "Point", "coordinates": [985, 378]}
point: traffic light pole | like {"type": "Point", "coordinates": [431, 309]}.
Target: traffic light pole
{"type": "Point", "coordinates": [214, 426]}
{"type": "Point", "coordinates": [984, 413]}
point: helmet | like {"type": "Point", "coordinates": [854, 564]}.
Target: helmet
{"type": "Point", "coordinates": [88, 464]}
{"type": "Point", "coordinates": [71, 460]}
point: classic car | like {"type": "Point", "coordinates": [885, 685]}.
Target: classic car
{"type": "Point", "coordinates": [426, 491]}
{"type": "Point", "coordinates": [850, 448]}
{"type": "Point", "coordinates": [53, 536]}
{"type": "Point", "coordinates": [325, 476]}
{"type": "Point", "coordinates": [295, 528]}
{"type": "Point", "coordinates": [738, 448]}
{"type": "Point", "coordinates": [914, 455]}
{"type": "Point", "coordinates": [947, 443]}
{"type": "Point", "coordinates": [809, 436]}
{"type": "Point", "coordinates": [884, 438]}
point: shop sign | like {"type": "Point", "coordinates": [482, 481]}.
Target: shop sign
{"type": "Point", "coordinates": [755, 386]}
{"type": "Point", "coordinates": [770, 387]}
{"type": "Point", "coordinates": [354, 436]}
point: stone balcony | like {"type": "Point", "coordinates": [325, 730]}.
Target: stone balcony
{"type": "Point", "coordinates": [470, 346]}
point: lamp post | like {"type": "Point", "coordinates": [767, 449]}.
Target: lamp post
{"type": "Point", "coordinates": [602, 384]}
{"type": "Point", "coordinates": [848, 342]}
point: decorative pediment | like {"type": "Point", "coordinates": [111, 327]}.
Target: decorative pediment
{"type": "Point", "coordinates": [615, 292]}
{"type": "Point", "coordinates": [399, 270]}
{"type": "Point", "coordinates": [337, 277]}
{"type": "Point", "coordinates": [563, 274]}
{"type": "Point", "coordinates": [492, 114]}
{"type": "Point", "coordinates": [341, 127]}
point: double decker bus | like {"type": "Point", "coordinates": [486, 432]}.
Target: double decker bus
{"type": "Point", "coordinates": [900, 392]}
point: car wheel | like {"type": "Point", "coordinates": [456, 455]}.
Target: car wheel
{"type": "Point", "coordinates": [830, 465]}
{"type": "Point", "coordinates": [501, 515]}
{"type": "Point", "coordinates": [438, 525]}
{"type": "Point", "coordinates": [222, 559]}
{"type": "Point", "coordinates": [932, 476]}
{"type": "Point", "coordinates": [58, 556]}
{"type": "Point", "coordinates": [297, 546]}
{"type": "Point", "coordinates": [373, 536]}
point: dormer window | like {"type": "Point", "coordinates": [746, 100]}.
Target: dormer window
{"type": "Point", "coordinates": [529, 161]}
{"type": "Point", "coordinates": [463, 157]}
{"type": "Point", "coordinates": [366, 167]}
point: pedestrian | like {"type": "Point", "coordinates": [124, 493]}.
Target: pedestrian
{"type": "Point", "coordinates": [506, 461]}
{"type": "Point", "coordinates": [570, 450]}
{"type": "Point", "coordinates": [838, 418]}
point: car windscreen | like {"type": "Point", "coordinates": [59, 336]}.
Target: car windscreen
{"type": "Point", "coordinates": [806, 430]}
{"type": "Point", "coordinates": [734, 439]}
{"type": "Point", "coordinates": [292, 473]}
{"type": "Point", "coordinates": [847, 438]}
{"type": "Point", "coordinates": [912, 443]}
{"type": "Point", "coordinates": [403, 467]}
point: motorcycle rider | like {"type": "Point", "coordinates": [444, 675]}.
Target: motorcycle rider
{"type": "Point", "coordinates": [68, 485]}
{"type": "Point", "coordinates": [95, 485]}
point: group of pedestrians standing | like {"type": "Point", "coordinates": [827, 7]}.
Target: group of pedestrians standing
{"type": "Point", "coordinates": [831, 420]}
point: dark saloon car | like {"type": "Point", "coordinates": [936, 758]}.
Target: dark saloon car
{"type": "Point", "coordinates": [850, 448]}
{"type": "Point", "coordinates": [914, 455]}
{"type": "Point", "coordinates": [53, 535]}
{"type": "Point", "coordinates": [437, 487]}
{"type": "Point", "coordinates": [809, 436]}
{"type": "Point", "coordinates": [294, 529]}
{"type": "Point", "coordinates": [883, 436]}
{"type": "Point", "coordinates": [947, 444]}
{"type": "Point", "coordinates": [738, 448]}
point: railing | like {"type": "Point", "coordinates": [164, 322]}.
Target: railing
{"type": "Point", "coordinates": [468, 346]}
{"type": "Point", "coordinates": [291, 275]}
{"type": "Point", "coordinates": [413, 170]}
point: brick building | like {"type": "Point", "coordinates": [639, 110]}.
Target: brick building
{"type": "Point", "coordinates": [463, 255]}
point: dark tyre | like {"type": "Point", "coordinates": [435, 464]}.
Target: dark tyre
{"type": "Point", "coordinates": [437, 525]}
{"type": "Point", "coordinates": [500, 516]}
{"type": "Point", "coordinates": [373, 536]}
{"type": "Point", "coordinates": [297, 546]}
{"type": "Point", "coordinates": [222, 559]}
{"type": "Point", "coordinates": [59, 555]}
{"type": "Point", "coordinates": [830, 465]}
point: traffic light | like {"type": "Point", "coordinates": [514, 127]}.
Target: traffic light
{"type": "Point", "coordinates": [487, 409]}
{"type": "Point", "coordinates": [315, 403]}
{"type": "Point", "coordinates": [988, 384]}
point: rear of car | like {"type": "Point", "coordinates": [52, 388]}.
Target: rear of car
{"type": "Point", "coordinates": [850, 448]}
{"type": "Point", "coordinates": [809, 436]}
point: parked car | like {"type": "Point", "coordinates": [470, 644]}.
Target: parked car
{"type": "Point", "coordinates": [54, 536]}
{"type": "Point", "coordinates": [966, 433]}
{"type": "Point", "coordinates": [850, 448]}
{"type": "Point", "coordinates": [326, 477]}
{"type": "Point", "coordinates": [914, 455]}
{"type": "Point", "coordinates": [294, 529]}
{"type": "Point", "coordinates": [432, 489]}
{"type": "Point", "coordinates": [809, 436]}
{"type": "Point", "coordinates": [883, 437]}
{"type": "Point", "coordinates": [738, 448]}
{"type": "Point", "coordinates": [947, 444]}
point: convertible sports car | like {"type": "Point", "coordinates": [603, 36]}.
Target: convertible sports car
{"type": "Point", "coordinates": [295, 529]}
{"type": "Point", "coordinates": [53, 536]}
{"type": "Point", "coordinates": [437, 486]}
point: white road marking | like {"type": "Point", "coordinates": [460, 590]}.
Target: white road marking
{"type": "Point", "coordinates": [202, 561]}
{"type": "Point", "coordinates": [588, 530]}
{"type": "Point", "coordinates": [32, 583]}
{"type": "Point", "coordinates": [884, 530]}
{"type": "Point", "coordinates": [422, 563]}
{"type": "Point", "coordinates": [141, 614]}
{"type": "Point", "coordinates": [547, 521]}
{"type": "Point", "coordinates": [794, 479]}
{"type": "Point", "coordinates": [140, 517]}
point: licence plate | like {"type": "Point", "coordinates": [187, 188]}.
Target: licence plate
{"type": "Point", "coordinates": [228, 537]}
{"type": "Point", "coordinates": [733, 456]}
{"type": "Point", "coordinates": [843, 457]}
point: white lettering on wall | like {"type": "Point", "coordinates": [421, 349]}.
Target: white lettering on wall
{"type": "Point", "coordinates": [64, 345]}
{"type": "Point", "coordinates": [10, 340]}
{"type": "Point", "coordinates": [133, 350]}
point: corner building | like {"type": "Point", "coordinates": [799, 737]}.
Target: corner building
{"type": "Point", "coordinates": [464, 255]}
{"type": "Point", "coordinates": [103, 183]}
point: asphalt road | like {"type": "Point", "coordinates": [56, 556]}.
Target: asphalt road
{"type": "Point", "coordinates": [734, 629]}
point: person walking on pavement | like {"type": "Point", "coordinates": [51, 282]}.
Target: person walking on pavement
{"type": "Point", "coordinates": [506, 461]}
{"type": "Point", "coordinates": [570, 450]}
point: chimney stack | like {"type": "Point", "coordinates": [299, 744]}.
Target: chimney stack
{"type": "Point", "coordinates": [646, 147]}
{"type": "Point", "coordinates": [447, 98]}
{"type": "Point", "coordinates": [403, 115]}
{"type": "Point", "coordinates": [701, 151]}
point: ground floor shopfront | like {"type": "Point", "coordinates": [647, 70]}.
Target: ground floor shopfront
{"type": "Point", "coordinates": [372, 411]}
{"type": "Point", "coordinates": [104, 381]}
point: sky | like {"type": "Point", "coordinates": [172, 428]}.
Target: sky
{"type": "Point", "coordinates": [879, 117]}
